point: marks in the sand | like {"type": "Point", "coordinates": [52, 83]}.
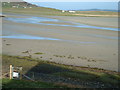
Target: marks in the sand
{"type": "Point", "coordinates": [88, 59]}
{"type": "Point", "coordinates": [28, 53]}
{"type": "Point", "coordinates": [78, 57]}
{"type": "Point", "coordinates": [88, 65]}
{"type": "Point", "coordinates": [41, 57]}
{"type": "Point", "coordinates": [115, 53]}
{"type": "Point", "coordinates": [66, 57]}
{"type": "Point", "coordinates": [50, 58]}
{"type": "Point", "coordinates": [60, 58]}
{"type": "Point", "coordinates": [4, 40]}
{"type": "Point", "coordinates": [8, 44]}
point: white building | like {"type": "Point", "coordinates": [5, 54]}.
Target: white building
{"type": "Point", "coordinates": [63, 10]}
{"type": "Point", "coordinates": [14, 6]}
{"type": "Point", "coordinates": [3, 3]}
{"type": "Point", "coordinates": [71, 11]}
{"type": "Point", "coordinates": [24, 7]}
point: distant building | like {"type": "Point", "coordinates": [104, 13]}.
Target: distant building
{"type": "Point", "coordinates": [24, 7]}
{"type": "Point", "coordinates": [14, 6]}
{"type": "Point", "coordinates": [3, 3]}
{"type": "Point", "coordinates": [71, 11]}
{"type": "Point", "coordinates": [63, 10]}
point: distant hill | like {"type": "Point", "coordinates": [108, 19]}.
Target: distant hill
{"type": "Point", "coordinates": [98, 10]}
{"type": "Point", "coordinates": [28, 8]}
{"type": "Point", "coordinates": [21, 4]}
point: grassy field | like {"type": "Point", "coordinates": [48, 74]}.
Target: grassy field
{"type": "Point", "coordinates": [50, 11]}
{"type": "Point", "coordinates": [68, 74]}
{"type": "Point", "coordinates": [7, 83]}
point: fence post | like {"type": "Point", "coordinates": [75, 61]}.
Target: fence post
{"type": "Point", "coordinates": [11, 71]}
{"type": "Point", "coordinates": [20, 72]}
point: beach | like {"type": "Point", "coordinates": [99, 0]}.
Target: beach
{"type": "Point", "coordinates": [65, 44]}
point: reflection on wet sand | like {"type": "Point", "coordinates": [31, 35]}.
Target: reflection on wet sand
{"type": "Point", "coordinates": [39, 20]}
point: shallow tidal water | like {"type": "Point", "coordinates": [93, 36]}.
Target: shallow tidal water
{"type": "Point", "coordinates": [41, 38]}
{"type": "Point", "coordinates": [39, 20]}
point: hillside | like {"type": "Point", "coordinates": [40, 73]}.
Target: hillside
{"type": "Point", "coordinates": [17, 5]}
{"type": "Point", "coordinates": [27, 8]}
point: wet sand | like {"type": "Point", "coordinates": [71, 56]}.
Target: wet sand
{"type": "Point", "coordinates": [96, 21]}
{"type": "Point", "coordinates": [71, 50]}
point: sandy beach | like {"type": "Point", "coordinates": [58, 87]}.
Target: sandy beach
{"type": "Point", "coordinates": [89, 47]}
{"type": "Point", "coordinates": [96, 21]}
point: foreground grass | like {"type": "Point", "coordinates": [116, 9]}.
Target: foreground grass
{"type": "Point", "coordinates": [81, 74]}
{"type": "Point", "coordinates": [7, 83]}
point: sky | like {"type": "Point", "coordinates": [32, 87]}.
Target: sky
{"type": "Point", "coordinates": [73, 0]}
{"type": "Point", "coordinates": [77, 4]}
{"type": "Point", "coordinates": [61, 0]}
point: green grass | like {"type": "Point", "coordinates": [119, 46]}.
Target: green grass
{"type": "Point", "coordinates": [51, 68]}
{"type": "Point", "coordinates": [97, 12]}
{"type": "Point", "coordinates": [104, 78]}
{"type": "Point", "coordinates": [77, 76]}
{"type": "Point", "coordinates": [53, 12]}
{"type": "Point", "coordinates": [7, 83]}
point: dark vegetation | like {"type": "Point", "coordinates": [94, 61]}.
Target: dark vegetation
{"type": "Point", "coordinates": [59, 74]}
